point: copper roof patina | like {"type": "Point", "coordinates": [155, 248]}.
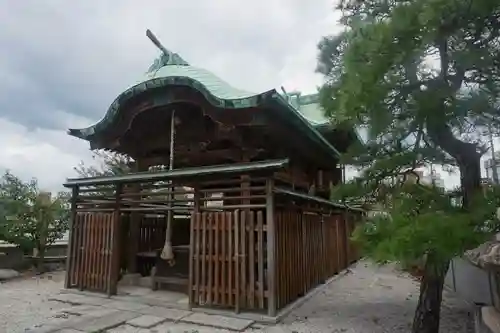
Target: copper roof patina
{"type": "Point", "coordinates": [303, 112]}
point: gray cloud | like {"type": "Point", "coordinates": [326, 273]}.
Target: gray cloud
{"type": "Point", "coordinates": [74, 57]}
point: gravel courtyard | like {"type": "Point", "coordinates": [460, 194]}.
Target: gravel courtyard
{"type": "Point", "coordinates": [368, 299]}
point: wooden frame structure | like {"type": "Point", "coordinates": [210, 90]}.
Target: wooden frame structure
{"type": "Point", "coordinates": [256, 256]}
{"type": "Point", "coordinates": [254, 227]}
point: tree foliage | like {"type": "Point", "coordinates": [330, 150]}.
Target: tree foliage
{"type": "Point", "coordinates": [422, 219]}
{"type": "Point", "coordinates": [422, 78]}
{"type": "Point", "coordinates": [27, 218]}
{"type": "Point", "coordinates": [107, 164]}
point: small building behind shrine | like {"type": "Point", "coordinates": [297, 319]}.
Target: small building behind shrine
{"type": "Point", "coordinates": [229, 198]}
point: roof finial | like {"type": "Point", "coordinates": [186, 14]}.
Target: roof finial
{"type": "Point", "coordinates": [155, 41]}
{"type": "Point", "coordinates": [167, 58]}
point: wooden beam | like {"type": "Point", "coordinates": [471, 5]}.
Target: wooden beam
{"type": "Point", "coordinates": [200, 156]}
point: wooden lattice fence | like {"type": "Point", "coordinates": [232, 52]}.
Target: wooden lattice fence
{"type": "Point", "coordinates": [94, 252]}
{"type": "Point", "coordinates": [227, 265]}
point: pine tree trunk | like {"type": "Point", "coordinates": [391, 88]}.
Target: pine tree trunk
{"type": "Point", "coordinates": [39, 260]}
{"type": "Point", "coordinates": [427, 314]}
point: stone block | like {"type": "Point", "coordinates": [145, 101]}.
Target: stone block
{"type": "Point", "coordinates": [42, 329]}
{"type": "Point", "coordinates": [146, 321]}
{"type": "Point", "coordinates": [218, 321]}
{"type": "Point", "coordinates": [89, 310]}
{"type": "Point", "coordinates": [102, 323]}
{"type": "Point", "coordinates": [125, 306]}
{"type": "Point", "coordinates": [79, 299]}
{"type": "Point", "coordinates": [167, 313]}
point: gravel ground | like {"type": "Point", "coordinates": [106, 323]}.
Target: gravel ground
{"type": "Point", "coordinates": [372, 299]}
{"type": "Point", "coordinates": [368, 299]}
{"type": "Point", "coordinates": [24, 301]}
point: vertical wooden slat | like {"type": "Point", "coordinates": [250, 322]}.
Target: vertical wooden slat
{"type": "Point", "coordinates": [115, 252]}
{"type": "Point", "coordinates": [81, 269]}
{"type": "Point", "coordinates": [286, 257]}
{"type": "Point", "coordinates": [251, 260]}
{"type": "Point", "coordinates": [102, 268]}
{"type": "Point", "coordinates": [224, 289]}
{"type": "Point", "coordinates": [70, 256]}
{"type": "Point", "coordinates": [203, 284]}
{"type": "Point", "coordinates": [109, 238]}
{"type": "Point", "coordinates": [86, 232]}
{"type": "Point", "coordinates": [92, 253]}
{"type": "Point", "coordinates": [243, 257]}
{"type": "Point", "coordinates": [271, 263]}
{"type": "Point", "coordinates": [260, 259]}
{"type": "Point", "coordinates": [237, 253]}
{"type": "Point", "coordinates": [77, 255]}
{"type": "Point", "coordinates": [346, 237]}
{"type": "Point", "coordinates": [197, 264]}
{"type": "Point", "coordinates": [297, 250]}
{"type": "Point", "coordinates": [230, 257]}
{"type": "Point", "coordinates": [99, 256]}
{"type": "Point", "coordinates": [217, 258]}
{"type": "Point", "coordinates": [192, 260]}
{"type": "Point", "coordinates": [78, 251]}
{"type": "Point", "coordinates": [193, 250]}
{"type": "Point", "coordinates": [279, 270]}
{"type": "Point", "coordinates": [210, 257]}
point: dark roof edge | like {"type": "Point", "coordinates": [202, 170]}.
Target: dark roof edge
{"type": "Point", "coordinates": [269, 165]}
{"type": "Point", "coordinates": [303, 196]}
{"type": "Point", "coordinates": [252, 101]}
{"type": "Point", "coordinates": [162, 82]}
{"type": "Point", "coordinates": [307, 127]}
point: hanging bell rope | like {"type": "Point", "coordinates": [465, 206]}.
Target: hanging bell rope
{"type": "Point", "coordinates": [168, 253]}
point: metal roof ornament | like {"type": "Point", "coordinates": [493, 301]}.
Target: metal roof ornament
{"type": "Point", "coordinates": [166, 58]}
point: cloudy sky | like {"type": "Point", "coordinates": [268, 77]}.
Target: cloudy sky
{"type": "Point", "coordinates": [63, 62]}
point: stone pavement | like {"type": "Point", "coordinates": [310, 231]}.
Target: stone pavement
{"type": "Point", "coordinates": [368, 299]}
{"type": "Point", "coordinates": [91, 313]}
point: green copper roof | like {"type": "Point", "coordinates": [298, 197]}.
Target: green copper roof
{"type": "Point", "coordinates": [304, 115]}
{"type": "Point", "coordinates": [308, 106]}
{"type": "Point", "coordinates": [210, 81]}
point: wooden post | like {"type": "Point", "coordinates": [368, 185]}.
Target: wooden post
{"type": "Point", "coordinates": [115, 243]}
{"type": "Point", "coordinates": [192, 245]}
{"type": "Point", "coordinates": [271, 266]}
{"type": "Point", "coordinates": [71, 249]}
{"type": "Point", "coordinates": [134, 227]}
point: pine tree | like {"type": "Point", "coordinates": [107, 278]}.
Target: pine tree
{"type": "Point", "coordinates": [422, 78]}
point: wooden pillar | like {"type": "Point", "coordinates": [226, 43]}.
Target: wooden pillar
{"type": "Point", "coordinates": [71, 250]}
{"type": "Point", "coordinates": [115, 245]}
{"type": "Point", "coordinates": [271, 263]}
{"type": "Point", "coordinates": [134, 226]}
{"type": "Point", "coordinates": [192, 245]}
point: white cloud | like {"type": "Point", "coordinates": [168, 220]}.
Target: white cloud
{"type": "Point", "coordinates": [63, 62]}
{"type": "Point", "coordinates": [48, 155]}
